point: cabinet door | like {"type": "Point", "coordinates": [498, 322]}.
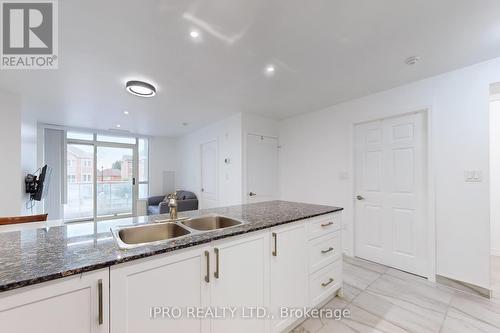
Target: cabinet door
{"type": "Point", "coordinates": [241, 281]}
{"type": "Point", "coordinates": [76, 304]}
{"type": "Point", "coordinates": [289, 270]}
{"type": "Point", "coordinates": [171, 282]}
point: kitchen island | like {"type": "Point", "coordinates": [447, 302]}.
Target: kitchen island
{"type": "Point", "coordinates": [284, 254]}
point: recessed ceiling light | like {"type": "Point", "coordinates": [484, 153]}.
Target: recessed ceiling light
{"type": "Point", "coordinates": [412, 60]}
{"type": "Point", "coordinates": [126, 112]}
{"type": "Point", "coordinates": [140, 88]}
{"type": "Point", "coordinates": [118, 125]}
{"type": "Point", "coordinates": [270, 70]}
{"type": "Point", "coordinates": [185, 124]}
{"type": "Point", "coordinates": [194, 34]}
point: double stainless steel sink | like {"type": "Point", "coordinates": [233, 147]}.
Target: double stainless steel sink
{"type": "Point", "coordinates": [156, 233]}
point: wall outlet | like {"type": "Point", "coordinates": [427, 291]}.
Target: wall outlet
{"type": "Point", "coordinates": [473, 176]}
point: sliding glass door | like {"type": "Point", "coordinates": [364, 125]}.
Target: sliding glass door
{"type": "Point", "coordinates": [79, 182]}
{"type": "Point", "coordinates": [115, 182]}
{"type": "Point", "coordinates": [101, 174]}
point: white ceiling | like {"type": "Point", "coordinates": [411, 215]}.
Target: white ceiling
{"type": "Point", "coordinates": [325, 52]}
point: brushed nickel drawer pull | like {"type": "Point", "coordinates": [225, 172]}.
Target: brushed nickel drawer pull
{"type": "Point", "coordinates": [327, 224]}
{"type": "Point", "coordinates": [207, 277]}
{"type": "Point", "coordinates": [216, 273]}
{"type": "Point", "coordinates": [275, 251]}
{"type": "Point", "coordinates": [100, 303]}
{"type": "Point", "coordinates": [326, 251]}
{"type": "Point", "coordinates": [327, 283]}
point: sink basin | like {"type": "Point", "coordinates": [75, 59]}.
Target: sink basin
{"type": "Point", "coordinates": [211, 222]}
{"type": "Point", "coordinates": [149, 233]}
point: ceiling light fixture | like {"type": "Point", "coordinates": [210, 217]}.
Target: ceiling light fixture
{"type": "Point", "coordinates": [270, 70]}
{"type": "Point", "coordinates": [412, 60]}
{"type": "Point", "coordinates": [126, 112]}
{"type": "Point", "coordinates": [118, 125]}
{"type": "Point", "coordinates": [194, 34]}
{"type": "Point", "coordinates": [140, 88]}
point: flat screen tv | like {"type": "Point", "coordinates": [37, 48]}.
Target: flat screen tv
{"type": "Point", "coordinates": [37, 186]}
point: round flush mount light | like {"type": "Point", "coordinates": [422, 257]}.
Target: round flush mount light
{"type": "Point", "coordinates": [140, 88]}
{"type": "Point", "coordinates": [126, 112]}
{"type": "Point", "coordinates": [412, 60]}
{"type": "Point", "coordinates": [118, 126]}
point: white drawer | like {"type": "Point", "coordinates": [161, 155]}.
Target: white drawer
{"type": "Point", "coordinates": [324, 250]}
{"type": "Point", "coordinates": [324, 283]}
{"type": "Point", "coordinates": [322, 225]}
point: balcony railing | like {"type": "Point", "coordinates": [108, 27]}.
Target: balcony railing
{"type": "Point", "coordinates": [113, 198]}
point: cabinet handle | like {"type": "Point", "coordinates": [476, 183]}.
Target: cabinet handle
{"type": "Point", "coordinates": [207, 277]}
{"type": "Point", "coordinates": [327, 283]}
{"type": "Point", "coordinates": [326, 224]}
{"type": "Point", "coordinates": [275, 251]}
{"type": "Point", "coordinates": [100, 305]}
{"type": "Point", "coordinates": [326, 251]}
{"type": "Point", "coordinates": [216, 273]}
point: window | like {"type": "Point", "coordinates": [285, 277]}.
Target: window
{"type": "Point", "coordinates": [143, 150]}
{"type": "Point", "coordinates": [80, 136]}
{"type": "Point", "coordinates": [71, 178]}
{"type": "Point", "coordinates": [116, 139]}
{"type": "Point", "coordinates": [70, 163]}
{"type": "Point", "coordinates": [87, 163]}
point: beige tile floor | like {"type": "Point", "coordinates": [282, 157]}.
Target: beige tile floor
{"type": "Point", "coordinates": [385, 300]}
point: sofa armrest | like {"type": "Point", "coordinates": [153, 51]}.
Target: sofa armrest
{"type": "Point", "coordinates": [164, 209]}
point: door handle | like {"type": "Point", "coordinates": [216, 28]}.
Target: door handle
{"type": "Point", "coordinates": [216, 273]}
{"type": "Point", "coordinates": [252, 194]}
{"type": "Point", "coordinates": [207, 277]}
{"type": "Point", "coordinates": [275, 238]}
{"type": "Point", "coordinates": [100, 303]}
{"type": "Point", "coordinates": [360, 197]}
{"type": "Point", "coordinates": [133, 181]}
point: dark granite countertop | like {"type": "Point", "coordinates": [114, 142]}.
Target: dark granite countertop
{"type": "Point", "coordinates": [33, 256]}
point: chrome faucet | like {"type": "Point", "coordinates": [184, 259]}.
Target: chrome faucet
{"type": "Point", "coordinates": [172, 205]}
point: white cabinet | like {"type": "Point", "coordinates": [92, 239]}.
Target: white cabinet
{"type": "Point", "coordinates": [241, 281]}
{"type": "Point", "coordinates": [232, 273]}
{"type": "Point", "coordinates": [77, 304]}
{"type": "Point", "coordinates": [171, 282]}
{"type": "Point", "coordinates": [288, 272]}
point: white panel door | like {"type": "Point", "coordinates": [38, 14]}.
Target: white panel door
{"type": "Point", "coordinates": [240, 280]}
{"type": "Point", "coordinates": [261, 168]}
{"type": "Point", "coordinates": [209, 188]}
{"type": "Point", "coordinates": [390, 192]}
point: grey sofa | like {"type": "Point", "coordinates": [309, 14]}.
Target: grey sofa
{"type": "Point", "coordinates": [185, 201]}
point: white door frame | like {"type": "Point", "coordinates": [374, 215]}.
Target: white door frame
{"type": "Point", "coordinates": [430, 193]}
{"type": "Point", "coordinates": [217, 195]}
{"type": "Point", "coordinates": [244, 186]}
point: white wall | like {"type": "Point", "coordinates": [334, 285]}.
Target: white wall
{"type": "Point", "coordinates": [10, 150]}
{"type": "Point", "coordinates": [495, 174]}
{"type": "Point", "coordinates": [162, 158]}
{"type": "Point", "coordinates": [228, 133]}
{"type": "Point", "coordinates": [28, 158]}
{"type": "Point", "coordinates": [317, 147]}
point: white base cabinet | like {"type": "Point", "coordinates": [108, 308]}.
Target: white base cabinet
{"type": "Point", "coordinates": [77, 304]}
{"type": "Point", "coordinates": [166, 283]}
{"type": "Point", "coordinates": [288, 272]}
{"type": "Point", "coordinates": [290, 266]}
